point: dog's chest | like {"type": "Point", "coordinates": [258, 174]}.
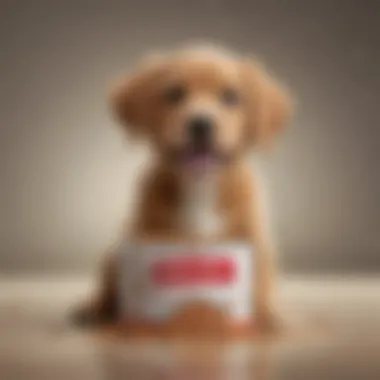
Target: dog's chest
{"type": "Point", "coordinates": [200, 214]}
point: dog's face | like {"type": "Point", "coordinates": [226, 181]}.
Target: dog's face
{"type": "Point", "coordinates": [201, 109]}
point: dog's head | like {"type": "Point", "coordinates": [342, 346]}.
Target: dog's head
{"type": "Point", "coordinates": [201, 108]}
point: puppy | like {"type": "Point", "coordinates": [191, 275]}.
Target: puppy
{"type": "Point", "coordinates": [202, 111]}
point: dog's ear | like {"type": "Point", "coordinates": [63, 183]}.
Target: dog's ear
{"type": "Point", "coordinates": [132, 99]}
{"type": "Point", "coordinates": [268, 105]}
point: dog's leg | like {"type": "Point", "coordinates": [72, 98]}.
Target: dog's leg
{"type": "Point", "coordinates": [153, 222]}
{"type": "Point", "coordinates": [249, 228]}
{"type": "Point", "coordinates": [103, 308]}
{"type": "Point", "coordinates": [247, 220]}
{"type": "Point", "coordinates": [268, 318]}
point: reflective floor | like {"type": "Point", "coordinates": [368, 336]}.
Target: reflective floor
{"type": "Point", "coordinates": [337, 337]}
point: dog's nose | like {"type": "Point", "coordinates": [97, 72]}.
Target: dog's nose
{"type": "Point", "coordinates": [200, 130]}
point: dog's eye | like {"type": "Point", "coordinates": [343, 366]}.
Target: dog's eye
{"type": "Point", "coordinates": [175, 95]}
{"type": "Point", "coordinates": [230, 96]}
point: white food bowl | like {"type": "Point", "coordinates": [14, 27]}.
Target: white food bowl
{"type": "Point", "coordinates": [157, 281]}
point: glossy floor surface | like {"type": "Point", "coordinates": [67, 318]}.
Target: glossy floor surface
{"type": "Point", "coordinates": [337, 337]}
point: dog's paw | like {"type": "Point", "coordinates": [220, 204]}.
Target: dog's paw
{"type": "Point", "coordinates": [88, 316]}
{"type": "Point", "coordinates": [280, 322]}
{"type": "Point", "coordinates": [272, 322]}
{"type": "Point", "coordinates": [83, 316]}
{"type": "Point", "coordinates": [101, 311]}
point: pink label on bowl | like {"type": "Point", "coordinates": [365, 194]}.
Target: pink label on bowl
{"type": "Point", "coordinates": [194, 270]}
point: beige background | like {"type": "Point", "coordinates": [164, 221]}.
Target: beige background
{"type": "Point", "coordinates": [66, 172]}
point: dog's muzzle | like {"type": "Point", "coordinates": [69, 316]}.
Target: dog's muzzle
{"type": "Point", "coordinates": [200, 131]}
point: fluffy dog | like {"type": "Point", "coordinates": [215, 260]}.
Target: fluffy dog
{"type": "Point", "coordinates": [202, 110]}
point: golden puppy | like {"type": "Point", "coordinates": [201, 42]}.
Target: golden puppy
{"type": "Point", "coordinates": [202, 110]}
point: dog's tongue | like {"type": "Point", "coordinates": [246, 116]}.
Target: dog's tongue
{"type": "Point", "coordinates": [199, 163]}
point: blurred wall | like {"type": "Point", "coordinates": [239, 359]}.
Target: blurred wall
{"type": "Point", "coordinates": [66, 174]}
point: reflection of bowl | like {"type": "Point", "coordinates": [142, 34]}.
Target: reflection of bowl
{"type": "Point", "coordinates": [187, 290]}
